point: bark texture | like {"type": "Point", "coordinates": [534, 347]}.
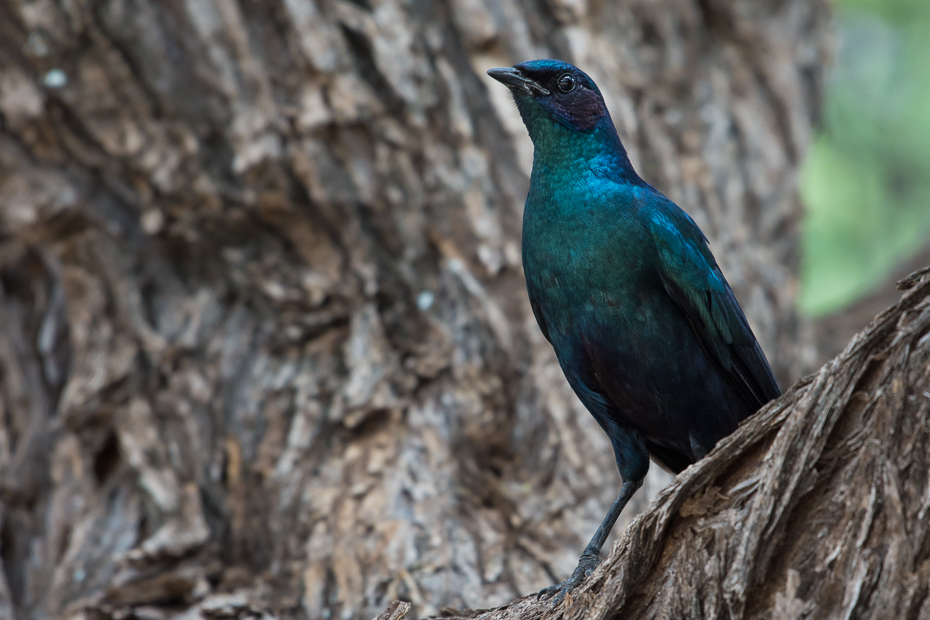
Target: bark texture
{"type": "Point", "coordinates": [265, 339]}
{"type": "Point", "coordinates": [816, 507]}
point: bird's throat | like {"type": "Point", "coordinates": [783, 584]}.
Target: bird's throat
{"type": "Point", "coordinates": [560, 151]}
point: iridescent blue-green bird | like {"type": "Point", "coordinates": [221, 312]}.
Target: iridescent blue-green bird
{"type": "Point", "coordinates": [624, 287]}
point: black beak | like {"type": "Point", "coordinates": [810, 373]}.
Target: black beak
{"type": "Point", "coordinates": [514, 80]}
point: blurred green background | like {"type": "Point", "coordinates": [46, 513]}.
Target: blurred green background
{"type": "Point", "coordinates": [866, 181]}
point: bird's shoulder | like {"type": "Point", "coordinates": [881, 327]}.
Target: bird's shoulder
{"type": "Point", "coordinates": [675, 234]}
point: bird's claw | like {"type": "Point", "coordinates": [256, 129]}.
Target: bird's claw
{"type": "Point", "coordinates": [586, 566]}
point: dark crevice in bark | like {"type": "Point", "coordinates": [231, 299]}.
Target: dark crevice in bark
{"type": "Point", "coordinates": [363, 56]}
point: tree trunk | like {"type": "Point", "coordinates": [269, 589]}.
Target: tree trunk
{"type": "Point", "coordinates": [817, 507]}
{"type": "Point", "coordinates": [266, 342]}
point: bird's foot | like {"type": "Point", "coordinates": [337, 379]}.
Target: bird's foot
{"type": "Point", "coordinates": [586, 565]}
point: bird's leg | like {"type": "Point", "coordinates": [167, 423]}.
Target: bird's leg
{"type": "Point", "coordinates": [590, 557]}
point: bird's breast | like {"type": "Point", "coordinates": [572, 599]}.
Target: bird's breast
{"type": "Point", "coordinates": [577, 282]}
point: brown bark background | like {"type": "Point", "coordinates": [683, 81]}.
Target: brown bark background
{"type": "Point", "coordinates": [265, 338]}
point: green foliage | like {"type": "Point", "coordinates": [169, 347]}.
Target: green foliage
{"type": "Point", "coordinates": [866, 182]}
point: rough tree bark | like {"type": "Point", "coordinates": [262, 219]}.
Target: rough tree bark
{"type": "Point", "coordinates": [816, 507]}
{"type": "Point", "coordinates": [265, 342]}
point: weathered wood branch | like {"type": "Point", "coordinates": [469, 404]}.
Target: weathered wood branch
{"type": "Point", "coordinates": [817, 507]}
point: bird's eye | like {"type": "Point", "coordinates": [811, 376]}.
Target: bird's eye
{"type": "Point", "coordinates": [567, 83]}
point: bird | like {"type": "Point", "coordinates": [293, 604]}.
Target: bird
{"type": "Point", "coordinates": [623, 285]}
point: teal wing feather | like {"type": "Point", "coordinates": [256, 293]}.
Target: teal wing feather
{"type": "Point", "coordinates": [693, 280]}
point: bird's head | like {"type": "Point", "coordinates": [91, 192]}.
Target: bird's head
{"type": "Point", "coordinates": [553, 90]}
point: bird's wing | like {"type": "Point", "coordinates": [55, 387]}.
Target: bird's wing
{"type": "Point", "coordinates": [694, 281]}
